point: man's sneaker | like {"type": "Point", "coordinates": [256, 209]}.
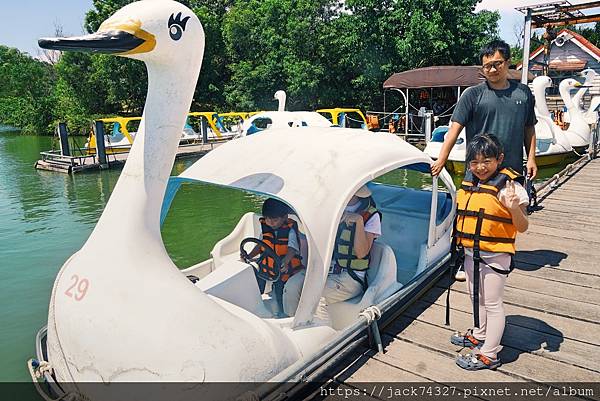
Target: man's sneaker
{"type": "Point", "coordinates": [460, 275]}
{"type": "Point", "coordinates": [477, 362]}
{"type": "Point", "coordinates": [466, 340]}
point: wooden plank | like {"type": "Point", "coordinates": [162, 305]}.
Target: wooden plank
{"type": "Point", "coordinates": [549, 304]}
{"type": "Point", "coordinates": [555, 275]}
{"type": "Point", "coordinates": [374, 370]}
{"type": "Point", "coordinates": [434, 362]}
{"type": "Point", "coordinates": [559, 210]}
{"type": "Point", "coordinates": [570, 193]}
{"type": "Point", "coordinates": [558, 249]}
{"type": "Point", "coordinates": [565, 234]}
{"type": "Point", "coordinates": [572, 199]}
{"type": "Point", "coordinates": [553, 346]}
{"type": "Point", "coordinates": [560, 213]}
{"type": "Point", "coordinates": [566, 227]}
{"type": "Point", "coordinates": [537, 320]}
{"type": "Point", "coordinates": [516, 363]}
{"type": "Point", "coordinates": [555, 288]}
{"type": "Point", "coordinates": [553, 252]}
{"type": "Point", "coordinates": [573, 206]}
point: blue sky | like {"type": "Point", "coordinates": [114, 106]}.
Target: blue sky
{"type": "Point", "coordinates": [24, 21]}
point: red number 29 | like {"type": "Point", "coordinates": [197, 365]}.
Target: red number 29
{"type": "Point", "coordinates": [78, 289]}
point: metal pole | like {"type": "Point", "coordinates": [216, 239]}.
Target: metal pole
{"type": "Point", "coordinates": [526, 44]}
{"type": "Point", "coordinates": [204, 129]}
{"type": "Point", "coordinates": [100, 150]}
{"type": "Point", "coordinates": [64, 139]}
{"type": "Point", "coordinates": [406, 117]}
{"type": "Point", "coordinates": [428, 126]}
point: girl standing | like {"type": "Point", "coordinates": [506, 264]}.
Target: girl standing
{"type": "Point", "coordinates": [492, 208]}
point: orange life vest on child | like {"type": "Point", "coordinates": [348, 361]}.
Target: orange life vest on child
{"type": "Point", "coordinates": [278, 241]}
{"type": "Point", "coordinates": [482, 217]}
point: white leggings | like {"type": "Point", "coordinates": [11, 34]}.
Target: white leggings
{"type": "Point", "coordinates": [491, 306]}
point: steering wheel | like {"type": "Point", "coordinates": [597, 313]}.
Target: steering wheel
{"type": "Point", "coordinates": [266, 252]}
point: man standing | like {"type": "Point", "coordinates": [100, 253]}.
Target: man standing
{"type": "Point", "coordinates": [497, 106]}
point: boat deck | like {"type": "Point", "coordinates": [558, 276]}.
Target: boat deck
{"type": "Point", "coordinates": [76, 164]}
{"type": "Point", "coordinates": [552, 304]}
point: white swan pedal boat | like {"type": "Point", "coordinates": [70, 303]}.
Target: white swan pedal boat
{"type": "Point", "coordinates": [138, 318]}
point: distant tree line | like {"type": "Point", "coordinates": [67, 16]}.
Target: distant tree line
{"type": "Point", "coordinates": [323, 53]}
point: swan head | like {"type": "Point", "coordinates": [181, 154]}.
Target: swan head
{"type": "Point", "coordinates": [589, 75]}
{"type": "Point", "coordinates": [157, 31]}
{"type": "Point", "coordinates": [280, 96]}
{"type": "Point", "coordinates": [542, 82]}
{"type": "Point", "coordinates": [568, 84]}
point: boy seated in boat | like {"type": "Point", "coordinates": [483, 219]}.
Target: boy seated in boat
{"type": "Point", "coordinates": [280, 233]}
{"type": "Point", "coordinates": [359, 227]}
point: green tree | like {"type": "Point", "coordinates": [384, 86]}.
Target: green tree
{"type": "Point", "coordinates": [125, 80]}
{"type": "Point", "coordinates": [395, 36]}
{"type": "Point", "coordinates": [276, 44]}
{"type": "Point", "coordinates": [26, 93]}
{"type": "Point", "coordinates": [324, 54]}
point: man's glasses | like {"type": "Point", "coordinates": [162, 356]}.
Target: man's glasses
{"type": "Point", "coordinates": [496, 64]}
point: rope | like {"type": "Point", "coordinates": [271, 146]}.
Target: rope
{"type": "Point", "coordinates": [355, 120]}
{"type": "Point", "coordinates": [372, 313]}
{"type": "Point", "coordinates": [38, 374]}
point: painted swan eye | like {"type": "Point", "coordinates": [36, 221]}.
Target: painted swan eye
{"type": "Point", "coordinates": [177, 26]}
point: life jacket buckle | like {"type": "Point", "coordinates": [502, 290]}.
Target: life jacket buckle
{"type": "Point", "coordinates": [336, 269]}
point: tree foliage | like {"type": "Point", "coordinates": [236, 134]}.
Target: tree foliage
{"type": "Point", "coordinates": [323, 53]}
{"type": "Point", "coordinates": [26, 92]}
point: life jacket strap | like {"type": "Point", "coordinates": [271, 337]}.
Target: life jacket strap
{"type": "Point", "coordinates": [460, 234]}
{"type": "Point", "coordinates": [362, 282]}
{"type": "Point", "coordinates": [473, 188]}
{"type": "Point", "coordinates": [476, 260]}
{"type": "Point", "coordinates": [472, 213]}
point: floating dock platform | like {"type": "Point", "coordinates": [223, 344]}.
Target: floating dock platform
{"type": "Point", "coordinates": [54, 161]}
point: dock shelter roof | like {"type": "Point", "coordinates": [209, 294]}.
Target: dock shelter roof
{"type": "Point", "coordinates": [440, 76]}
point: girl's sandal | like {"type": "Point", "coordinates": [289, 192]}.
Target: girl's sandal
{"type": "Point", "coordinates": [477, 362]}
{"type": "Point", "coordinates": [466, 340]}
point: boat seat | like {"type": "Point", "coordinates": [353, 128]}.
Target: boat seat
{"type": "Point", "coordinates": [235, 283]}
{"type": "Point", "coordinates": [381, 277]}
{"type": "Point", "coordinates": [229, 247]}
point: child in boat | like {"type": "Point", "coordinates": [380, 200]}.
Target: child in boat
{"type": "Point", "coordinates": [492, 208]}
{"type": "Point", "coordinates": [281, 234]}
{"type": "Point", "coordinates": [359, 227]}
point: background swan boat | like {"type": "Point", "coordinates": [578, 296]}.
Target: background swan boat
{"type": "Point", "coordinates": [99, 311]}
{"type": "Point", "coordinates": [457, 156]}
{"type": "Point", "coordinates": [579, 132]}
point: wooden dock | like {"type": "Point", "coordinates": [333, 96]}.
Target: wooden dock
{"type": "Point", "coordinates": [52, 161]}
{"type": "Point", "coordinates": [552, 305]}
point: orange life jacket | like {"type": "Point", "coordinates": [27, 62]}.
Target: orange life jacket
{"type": "Point", "coordinates": [278, 241]}
{"type": "Point", "coordinates": [482, 219]}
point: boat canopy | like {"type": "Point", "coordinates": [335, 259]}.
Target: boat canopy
{"type": "Point", "coordinates": [441, 76]}
{"type": "Point", "coordinates": [315, 171]}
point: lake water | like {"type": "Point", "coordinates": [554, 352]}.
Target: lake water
{"type": "Point", "coordinates": [46, 216]}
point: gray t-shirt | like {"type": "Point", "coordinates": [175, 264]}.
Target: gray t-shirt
{"type": "Point", "coordinates": [504, 113]}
